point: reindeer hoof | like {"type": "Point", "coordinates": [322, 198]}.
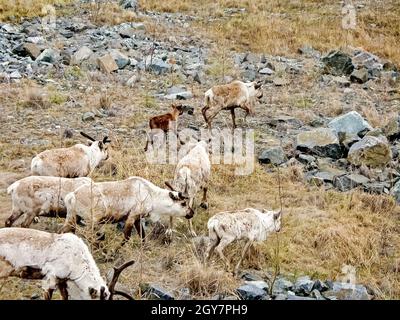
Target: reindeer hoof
{"type": "Point", "coordinates": [168, 232]}
{"type": "Point", "coordinates": [36, 220]}
{"type": "Point", "coordinates": [204, 205]}
{"type": "Point", "coordinates": [193, 234]}
{"type": "Point", "coordinates": [8, 223]}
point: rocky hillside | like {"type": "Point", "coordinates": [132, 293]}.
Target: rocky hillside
{"type": "Point", "coordinates": [326, 129]}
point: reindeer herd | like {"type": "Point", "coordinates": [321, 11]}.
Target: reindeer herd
{"type": "Point", "coordinates": [59, 186]}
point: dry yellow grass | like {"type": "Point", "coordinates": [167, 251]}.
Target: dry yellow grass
{"type": "Point", "coordinates": [16, 9]}
{"type": "Point", "coordinates": [281, 27]}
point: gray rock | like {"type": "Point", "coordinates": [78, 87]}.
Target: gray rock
{"type": "Point", "coordinates": [80, 55]}
{"type": "Point", "coordinates": [156, 292]}
{"type": "Point", "coordinates": [350, 181]}
{"type": "Point", "coordinates": [88, 116]}
{"type": "Point", "coordinates": [322, 142]}
{"type": "Point", "coordinates": [274, 155]}
{"type": "Point", "coordinates": [68, 133]}
{"type": "Point", "coordinates": [132, 80]}
{"type": "Point", "coordinates": [48, 55]}
{"type": "Point", "coordinates": [179, 93]}
{"type": "Point", "coordinates": [129, 4]}
{"type": "Point", "coordinates": [251, 277]}
{"type": "Point", "coordinates": [359, 75]}
{"type": "Point", "coordinates": [371, 151]}
{"type": "Point", "coordinates": [309, 52]}
{"type": "Point", "coordinates": [325, 176]}
{"type": "Point", "coordinates": [293, 297]}
{"type": "Point", "coordinates": [27, 50]}
{"type": "Point", "coordinates": [395, 191]}
{"type": "Point", "coordinates": [349, 123]}
{"type": "Point", "coordinates": [120, 59]}
{"type": "Point", "coordinates": [347, 291]}
{"type": "Point", "coordinates": [249, 75]}
{"type": "Point", "coordinates": [281, 296]}
{"type": "Point", "coordinates": [158, 66]}
{"type": "Point", "coordinates": [317, 295]}
{"type": "Point", "coordinates": [303, 286]}
{"type": "Point", "coordinates": [107, 63]}
{"type": "Point", "coordinates": [127, 32]}
{"type": "Point", "coordinates": [15, 75]}
{"type": "Point", "coordinates": [281, 285]}
{"type": "Point", "coordinates": [251, 292]}
{"type": "Point", "coordinates": [363, 59]}
{"type": "Point", "coordinates": [259, 284]}
{"type": "Point", "coordinates": [377, 187]}
{"type": "Point", "coordinates": [266, 71]}
{"type": "Point", "coordinates": [342, 82]}
{"type": "Point", "coordinates": [320, 286]}
{"type": "Point", "coordinates": [306, 159]}
{"type": "Point", "coordinates": [338, 63]}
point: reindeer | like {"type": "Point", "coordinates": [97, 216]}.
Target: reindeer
{"type": "Point", "coordinates": [61, 261]}
{"type": "Point", "coordinates": [236, 94]}
{"type": "Point", "coordinates": [76, 161]}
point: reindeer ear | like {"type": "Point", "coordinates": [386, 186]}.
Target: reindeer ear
{"type": "Point", "coordinates": [183, 196]}
{"type": "Point", "coordinates": [106, 140]}
{"type": "Point", "coordinates": [277, 214]}
{"type": "Point", "coordinates": [258, 85]}
{"type": "Point", "coordinates": [101, 145]}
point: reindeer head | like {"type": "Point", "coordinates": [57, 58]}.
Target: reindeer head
{"type": "Point", "coordinates": [181, 202]}
{"type": "Point", "coordinates": [177, 108]}
{"type": "Point", "coordinates": [255, 89]}
{"type": "Point", "coordinates": [276, 217]}
{"type": "Point", "coordinates": [101, 145]}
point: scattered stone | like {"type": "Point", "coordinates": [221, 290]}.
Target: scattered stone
{"type": "Point", "coordinates": [294, 297]}
{"type": "Point", "coordinates": [251, 292]}
{"type": "Point", "coordinates": [68, 133]}
{"type": "Point", "coordinates": [156, 292]}
{"type": "Point", "coordinates": [317, 295]}
{"type": "Point", "coordinates": [48, 55]}
{"type": "Point", "coordinates": [395, 192]}
{"type": "Point", "coordinates": [107, 63]}
{"type": "Point", "coordinates": [129, 4]}
{"type": "Point", "coordinates": [27, 50]}
{"type": "Point", "coordinates": [88, 116]}
{"type": "Point", "coordinates": [320, 286]}
{"type": "Point", "coordinates": [266, 71]}
{"type": "Point", "coordinates": [322, 142]}
{"type": "Point", "coordinates": [303, 285]}
{"type": "Point", "coordinates": [371, 151]}
{"type": "Point", "coordinates": [179, 93]}
{"type": "Point", "coordinates": [132, 80]}
{"type": "Point", "coordinates": [259, 284]}
{"type": "Point", "coordinates": [82, 54]}
{"type": "Point", "coordinates": [120, 59]}
{"type": "Point", "coordinates": [359, 76]}
{"type": "Point", "coordinates": [274, 155]}
{"type": "Point", "coordinates": [349, 123]}
{"type": "Point", "coordinates": [281, 285]}
{"type": "Point", "coordinates": [250, 277]}
{"type": "Point", "coordinates": [338, 63]}
{"type": "Point", "coordinates": [347, 291]}
{"type": "Point", "coordinates": [341, 82]}
{"type": "Point", "coordinates": [350, 181]}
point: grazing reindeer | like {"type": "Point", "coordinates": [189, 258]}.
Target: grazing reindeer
{"type": "Point", "coordinates": [61, 261]}
{"type": "Point", "coordinates": [40, 196]}
{"type": "Point", "coordinates": [249, 224]}
{"type": "Point", "coordinates": [76, 161]}
{"type": "Point", "coordinates": [236, 94]}
{"type": "Point", "coordinates": [126, 200]}
{"type": "Point", "coordinates": [168, 121]}
{"type": "Point", "coordinates": [191, 175]}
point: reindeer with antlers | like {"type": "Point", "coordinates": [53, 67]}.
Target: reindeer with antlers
{"type": "Point", "coordinates": [76, 161]}
{"type": "Point", "coordinates": [61, 261]}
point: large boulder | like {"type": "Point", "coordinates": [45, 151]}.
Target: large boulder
{"type": "Point", "coordinates": [338, 63]}
{"type": "Point", "coordinates": [349, 181]}
{"type": "Point", "coordinates": [349, 123]}
{"type": "Point", "coordinates": [322, 142]}
{"type": "Point", "coordinates": [81, 54]}
{"type": "Point", "coordinates": [48, 55]}
{"type": "Point", "coordinates": [273, 155]}
{"type": "Point", "coordinates": [120, 59]}
{"type": "Point", "coordinates": [303, 286]}
{"type": "Point", "coordinates": [155, 292]}
{"type": "Point", "coordinates": [107, 63]}
{"type": "Point", "coordinates": [371, 151]}
{"type": "Point", "coordinates": [347, 291]}
{"type": "Point", "coordinates": [251, 292]}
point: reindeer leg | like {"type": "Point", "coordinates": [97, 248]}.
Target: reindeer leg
{"type": "Point", "coordinates": [139, 228]}
{"type": "Point", "coordinates": [211, 248]}
{"type": "Point", "coordinates": [244, 251]}
{"type": "Point", "coordinates": [14, 216]}
{"type": "Point", "coordinates": [220, 247]}
{"type": "Point", "coordinates": [28, 220]}
{"type": "Point", "coordinates": [48, 294]}
{"type": "Point", "coordinates": [169, 231]}
{"type": "Point", "coordinates": [204, 203]}
{"type": "Point", "coordinates": [233, 117]}
{"type": "Point", "coordinates": [62, 285]}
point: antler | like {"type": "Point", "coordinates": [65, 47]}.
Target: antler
{"type": "Point", "coordinates": [87, 136]}
{"type": "Point", "coordinates": [106, 139]}
{"type": "Point", "coordinates": [114, 280]}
